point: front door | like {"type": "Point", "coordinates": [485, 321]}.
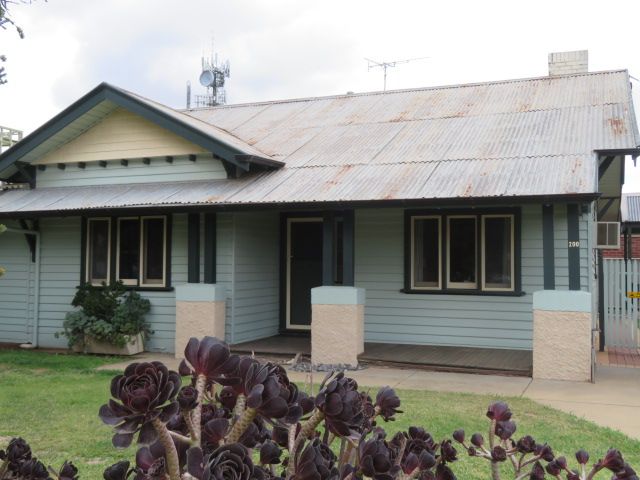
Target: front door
{"type": "Point", "coordinates": [304, 269]}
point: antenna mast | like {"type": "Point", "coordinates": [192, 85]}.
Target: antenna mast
{"type": "Point", "coordinates": [384, 65]}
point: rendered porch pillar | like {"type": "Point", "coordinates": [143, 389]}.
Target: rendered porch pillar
{"type": "Point", "coordinates": [562, 337]}
{"type": "Point", "coordinates": [337, 325]}
{"type": "Point", "coordinates": [200, 311]}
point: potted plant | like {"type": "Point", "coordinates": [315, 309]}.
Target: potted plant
{"type": "Point", "coordinates": [108, 320]}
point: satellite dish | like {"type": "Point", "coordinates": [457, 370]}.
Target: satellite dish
{"type": "Point", "coordinates": [207, 78]}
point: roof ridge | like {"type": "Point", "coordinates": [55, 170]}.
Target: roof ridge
{"type": "Point", "coordinates": [403, 90]}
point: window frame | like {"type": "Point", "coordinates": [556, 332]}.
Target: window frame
{"type": "Point", "coordinates": [114, 251]}
{"type": "Point", "coordinates": [87, 251]}
{"type": "Point", "coordinates": [413, 246]}
{"type": "Point", "coordinates": [444, 215]}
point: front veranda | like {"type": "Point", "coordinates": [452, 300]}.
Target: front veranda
{"type": "Point", "coordinates": [389, 284]}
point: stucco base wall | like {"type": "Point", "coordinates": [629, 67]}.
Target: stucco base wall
{"type": "Point", "coordinates": [198, 319]}
{"type": "Point", "coordinates": [562, 345]}
{"type": "Point", "coordinates": [337, 334]}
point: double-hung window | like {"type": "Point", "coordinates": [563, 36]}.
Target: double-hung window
{"type": "Point", "coordinates": [462, 251]}
{"type": "Point", "coordinates": [139, 248]}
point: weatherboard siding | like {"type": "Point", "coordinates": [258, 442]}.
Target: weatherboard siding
{"type": "Point", "coordinates": [460, 320]}
{"type": "Point", "coordinates": [121, 134]}
{"type": "Point", "coordinates": [256, 276]}
{"type": "Point", "coordinates": [158, 170]}
{"type": "Point", "coordinates": [16, 288]}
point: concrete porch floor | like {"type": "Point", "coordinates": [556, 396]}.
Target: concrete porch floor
{"type": "Point", "coordinates": [439, 358]}
{"type": "Point", "coordinates": [612, 401]}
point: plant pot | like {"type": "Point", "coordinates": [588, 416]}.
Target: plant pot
{"type": "Point", "coordinates": [134, 345]}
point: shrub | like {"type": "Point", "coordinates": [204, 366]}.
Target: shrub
{"type": "Point", "coordinates": [106, 313]}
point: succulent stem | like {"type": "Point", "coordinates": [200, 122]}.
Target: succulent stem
{"type": "Point", "coordinates": [307, 429]}
{"type": "Point", "coordinates": [241, 425]}
{"type": "Point", "coordinates": [201, 383]}
{"type": "Point", "coordinates": [171, 454]}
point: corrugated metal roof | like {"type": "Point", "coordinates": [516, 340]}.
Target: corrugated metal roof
{"type": "Point", "coordinates": [505, 177]}
{"type": "Point", "coordinates": [532, 137]}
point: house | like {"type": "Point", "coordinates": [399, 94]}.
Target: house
{"type": "Point", "coordinates": [460, 216]}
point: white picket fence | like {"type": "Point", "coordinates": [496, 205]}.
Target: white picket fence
{"type": "Point", "coordinates": [620, 311]}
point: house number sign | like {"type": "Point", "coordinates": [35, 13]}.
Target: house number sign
{"type": "Point", "coordinates": [574, 244]}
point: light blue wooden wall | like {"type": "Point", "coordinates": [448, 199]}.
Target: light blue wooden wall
{"type": "Point", "coordinates": [255, 312]}
{"type": "Point", "coordinates": [463, 320]}
{"type": "Point", "coordinates": [158, 170]}
{"type": "Point", "coordinates": [16, 287]}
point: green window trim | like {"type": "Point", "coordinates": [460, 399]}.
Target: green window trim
{"type": "Point", "coordinates": [439, 280]}
{"type": "Point", "coordinates": [141, 283]}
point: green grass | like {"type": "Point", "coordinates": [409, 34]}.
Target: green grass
{"type": "Point", "coordinates": [52, 401]}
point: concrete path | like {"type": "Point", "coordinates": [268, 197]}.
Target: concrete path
{"type": "Point", "coordinates": [612, 401]}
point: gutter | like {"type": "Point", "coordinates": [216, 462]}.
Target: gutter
{"type": "Point", "coordinates": [36, 294]}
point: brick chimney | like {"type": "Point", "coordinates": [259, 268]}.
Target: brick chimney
{"type": "Point", "coordinates": [567, 63]}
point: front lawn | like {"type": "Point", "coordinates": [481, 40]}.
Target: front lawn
{"type": "Point", "coordinates": [52, 401]}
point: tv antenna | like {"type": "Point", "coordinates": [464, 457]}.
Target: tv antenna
{"type": "Point", "coordinates": [384, 65]}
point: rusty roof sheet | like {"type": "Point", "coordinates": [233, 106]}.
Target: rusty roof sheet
{"type": "Point", "coordinates": [533, 137]}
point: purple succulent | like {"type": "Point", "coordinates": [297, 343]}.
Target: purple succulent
{"type": "Point", "coordinates": [270, 453]}
{"type": "Point", "coordinates": [376, 459]}
{"type": "Point", "coordinates": [146, 392]}
{"type": "Point", "coordinates": [544, 451]}
{"type": "Point", "coordinates": [232, 462]}
{"type": "Point", "coordinates": [537, 472]}
{"type": "Point", "coordinates": [387, 403]}
{"type": "Point", "coordinates": [33, 469]}
{"type": "Point", "coordinates": [448, 453]}
{"type": "Point", "coordinates": [505, 429]}
{"type": "Point", "coordinates": [458, 435]}
{"type": "Point", "coordinates": [499, 411]}
{"type": "Point", "coordinates": [118, 471]}
{"type": "Point", "coordinates": [262, 388]}
{"type": "Point", "coordinates": [17, 452]}
{"type": "Point", "coordinates": [213, 432]}
{"type": "Point", "coordinates": [316, 462]}
{"type": "Point", "coordinates": [150, 464]}
{"type": "Point", "coordinates": [418, 439]}
{"type": "Point", "coordinates": [188, 398]}
{"type": "Point", "coordinates": [498, 454]}
{"type": "Point", "coordinates": [68, 471]}
{"type": "Point", "coordinates": [211, 358]}
{"type": "Point", "coordinates": [582, 456]}
{"type": "Point", "coordinates": [612, 461]}
{"type": "Point", "coordinates": [341, 405]}
{"type": "Point", "coordinates": [443, 472]}
{"type": "Point", "coordinates": [526, 444]}
{"type": "Point", "coordinates": [477, 440]}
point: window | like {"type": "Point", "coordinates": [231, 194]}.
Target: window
{"type": "Point", "coordinates": [462, 251]}
{"type": "Point", "coordinates": [98, 250]}
{"type": "Point", "coordinates": [427, 248]}
{"type": "Point", "coordinates": [140, 251]}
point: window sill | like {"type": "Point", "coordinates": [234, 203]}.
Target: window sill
{"type": "Point", "coordinates": [135, 288]}
{"type": "Point", "coordinates": [464, 292]}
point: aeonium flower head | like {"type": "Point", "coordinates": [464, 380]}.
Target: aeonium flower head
{"type": "Point", "coordinates": [211, 358]}
{"type": "Point", "coordinates": [143, 393]}
{"type": "Point", "coordinates": [68, 471]}
{"type": "Point", "coordinates": [499, 411]}
{"type": "Point", "coordinates": [387, 403]}
{"type": "Point", "coordinates": [118, 471]}
{"type": "Point", "coordinates": [316, 462]}
{"type": "Point", "coordinates": [262, 387]}
{"type": "Point", "coordinates": [341, 404]}
{"type": "Point", "coordinates": [612, 461]}
{"type": "Point", "coordinates": [231, 461]}
{"type": "Point", "coordinates": [376, 459]}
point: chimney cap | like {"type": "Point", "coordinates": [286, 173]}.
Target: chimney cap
{"type": "Point", "coordinates": [568, 63]}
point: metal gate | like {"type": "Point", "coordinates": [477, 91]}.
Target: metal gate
{"type": "Point", "coordinates": [621, 285]}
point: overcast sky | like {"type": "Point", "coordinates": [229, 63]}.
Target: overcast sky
{"type": "Point", "coordinates": [294, 48]}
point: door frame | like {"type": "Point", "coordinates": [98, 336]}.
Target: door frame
{"type": "Point", "coordinates": [289, 220]}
